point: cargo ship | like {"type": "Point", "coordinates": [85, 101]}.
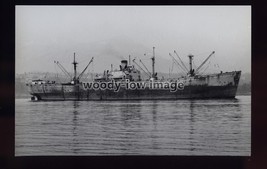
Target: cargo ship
{"type": "Point", "coordinates": [126, 83]}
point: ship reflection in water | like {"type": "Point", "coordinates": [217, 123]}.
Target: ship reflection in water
{"type": "Point", "coordinates": [181, 127]}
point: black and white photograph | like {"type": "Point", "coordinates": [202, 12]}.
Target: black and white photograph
{"type": "Point", "coordinates": [132, 80]}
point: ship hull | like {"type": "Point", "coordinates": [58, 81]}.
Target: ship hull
{"type": "Point", "coordinates": [221, 86]}
{"type": "Point", "coordinates": [190, 92]}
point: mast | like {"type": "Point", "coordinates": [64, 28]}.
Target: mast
{"type": "Point", "coordinates": [75, 71]}
{"type": "Point", "coordinates": [153, 63]}
{"type": "Point", "coordinates": [129, 59]}
{"type": "Point", "coordinates": [191, 73]}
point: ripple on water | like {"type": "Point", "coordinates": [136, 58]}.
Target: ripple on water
{"type": "Point", "coordinates": [182, 127]}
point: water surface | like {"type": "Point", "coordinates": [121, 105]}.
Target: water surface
{"type": "Point", "coordinates": [181, 127]}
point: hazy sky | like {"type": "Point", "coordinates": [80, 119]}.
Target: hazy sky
{"type": "Point", "coordinates": [111, 33]}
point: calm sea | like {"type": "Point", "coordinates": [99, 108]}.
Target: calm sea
{"type": "Point", "coordinates": [181, 127]}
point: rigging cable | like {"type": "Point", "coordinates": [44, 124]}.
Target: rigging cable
{"type": "Point", "coordinates": [181, 61]}
{"type": "Point", "coordinates": [57, 73]}
{"type": "Point", "coordinates": [205, 68]}
{"type": "Point", "coordinates": [172, 65]}
{"type": "Point", "coordinates": [178, 65]}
